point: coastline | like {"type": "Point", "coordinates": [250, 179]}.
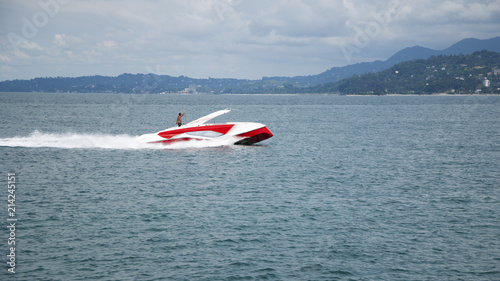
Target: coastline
{"type": "Point", "coordinates": [271, 94]}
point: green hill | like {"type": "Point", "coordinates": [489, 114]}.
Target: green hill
{"type": "Point", "coordinates": [456, 74]}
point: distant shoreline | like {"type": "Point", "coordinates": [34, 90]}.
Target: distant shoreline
{"type": "Point", "coordinates": [271, 94]}
{"type": "Point", "coordinates": [429, 95]}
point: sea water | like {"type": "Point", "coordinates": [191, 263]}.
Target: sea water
{"type": "Point", "coordinates": [349, 188]}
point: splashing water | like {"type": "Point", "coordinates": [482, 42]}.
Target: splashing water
{"type": "Point", "coordinates": [104, 141]}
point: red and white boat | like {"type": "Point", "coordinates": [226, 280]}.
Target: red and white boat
{"type": "Point", "coordinates": [232, 132]}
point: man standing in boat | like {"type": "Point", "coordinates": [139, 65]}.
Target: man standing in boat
{"type": "Point", "coordinates": [179, 118]}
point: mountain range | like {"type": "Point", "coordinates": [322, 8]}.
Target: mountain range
{"type": "Point", "coordinates": [465, 47]}
{"type": "Point", "coordinates": [152, 83]}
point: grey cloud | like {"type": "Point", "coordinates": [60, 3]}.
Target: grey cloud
{"type": "Point", "coordinates": [223, 38]}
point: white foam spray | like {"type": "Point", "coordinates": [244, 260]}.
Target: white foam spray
{"type": "Point", "coordinates": [102, 141]}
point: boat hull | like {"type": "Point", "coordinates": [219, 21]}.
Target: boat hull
{"type": "Point", "coordinates": [241, 133]}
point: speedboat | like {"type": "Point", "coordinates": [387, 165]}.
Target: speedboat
{"type": "Point", "coordinates": [232, 132]}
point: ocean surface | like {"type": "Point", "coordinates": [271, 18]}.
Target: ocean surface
{"type": "Point", "coordinates": [349, 188]}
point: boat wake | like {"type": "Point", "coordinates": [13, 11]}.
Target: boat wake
{"type": "Point", "coordinates": [100, 141]}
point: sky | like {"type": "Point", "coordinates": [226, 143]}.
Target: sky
{"type": "Point", "coordinates": [245, 39]}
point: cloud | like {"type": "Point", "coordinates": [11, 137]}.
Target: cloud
{"type": "Point", "coordinates": [28, 45]}
{"type": "Point", "coordinates": [429, 12]}
{"type": "Point", "coordinates": [20, 56]}
{"type": "Point", "coordinates": [4, 58]}
{"type": "Point", "coordinates": [63, 40]}
{"type": "Point", "coordinates": [238, 38]}
{"type": "Point", "coordinates": [107, 44]}
{"type": "Point", "coordinates": [59, 40]}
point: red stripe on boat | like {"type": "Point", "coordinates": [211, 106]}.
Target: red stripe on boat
{"type": "Point", "coordinates": [222, 128]}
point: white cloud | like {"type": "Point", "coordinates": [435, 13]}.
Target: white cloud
{"type": "Point", "coordinates": [21, 56]}
{"type": "Point", "coordinates": [107, 44]}
{"type": "Point", "coordinates": [4, 58]}
{"type": "Point", "coordinates": [59, 40]}
{"type": "Point", "coordinates": [63, 40]}
{"type": "Point", "coordinates": [29, 45]}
